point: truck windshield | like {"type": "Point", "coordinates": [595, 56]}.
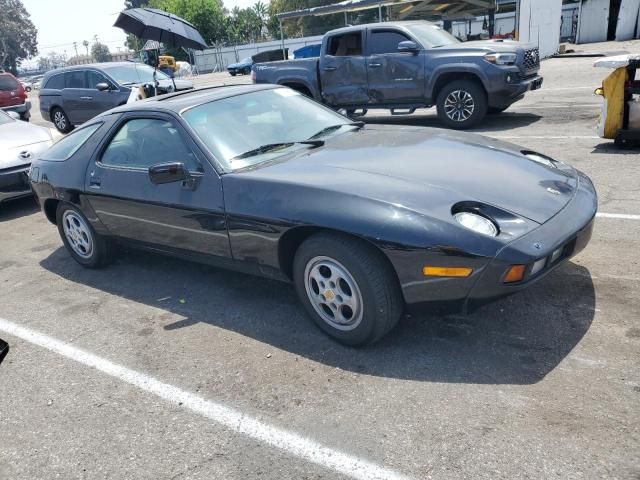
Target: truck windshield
{"type": "Point", "coordinates": [246, 130]}
{"type": "Point", "coordinates": [432, 36]}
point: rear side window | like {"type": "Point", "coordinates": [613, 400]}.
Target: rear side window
{"type": "Point", "coordinates": [56, 82]}
{"type": "Point", "coordinates": [346, 45]}
{"type": "Point", "coordinates": [385, 42]}
{"type": "Point", "coordinates": [76, 79]}
{"type": "Point", "coordinates": [63, 149]}
{"type": "Point", "coordinates": [7, 83]}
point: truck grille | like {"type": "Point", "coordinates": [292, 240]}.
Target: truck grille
{"type": "Point", "coordinates": [531, 59]}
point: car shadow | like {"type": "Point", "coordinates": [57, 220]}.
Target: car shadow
{"type": "Point", "coordinates": [609, 148]}
{"type": "Point", "coordinates": [491, 123]}
{"type": "Point", "coordinates": [517, 340]}
{"type": "Point", "coordinates": [12, 209]}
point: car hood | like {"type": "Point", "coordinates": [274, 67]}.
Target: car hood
{"type": "Point", "coordinates": [17, 137]}
{"type": "Point", "coordinates": [238, 65]}
{"type": "Point", "coordinates": [419, 167]}
{"type": "Point", "coordinates": [498, 46]}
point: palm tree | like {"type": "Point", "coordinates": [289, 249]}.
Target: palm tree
{"type": "Point", "coordinates": [261, 12]}
{"type": "Point", "coordinates": [86, 46]}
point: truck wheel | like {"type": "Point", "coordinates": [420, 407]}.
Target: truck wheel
{"type": "Point", "coordinates": [347, 287]}
{"type": "Point", "coordinates": [461, 104]}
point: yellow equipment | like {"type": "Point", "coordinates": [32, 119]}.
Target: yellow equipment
{"type": "Point", "coordinates": [166, 61]}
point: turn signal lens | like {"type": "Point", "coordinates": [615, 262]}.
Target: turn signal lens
{"type": "Point", "coordinates": [447, 271]}
{"type": "Point", "coordinates": [515, 274]}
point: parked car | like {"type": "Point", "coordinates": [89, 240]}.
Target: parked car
{"type": "Point", "coordinates": [72, 95]}
{"type": "Point", "coordinates": [13, 96]}
{"type": "Point", "coordinates": [364, 220]}
{"type": "Point", "coordinates": [402, 66]}
{"type": "Point", "coordinates": [28, 86]}
{"type": "Point", "coordinates": [20, 143]}
{"type": "Point", "coordinates": [243, 67]}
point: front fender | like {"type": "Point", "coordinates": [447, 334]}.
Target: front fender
{"type": "Point", "coordinates": [463, 69]}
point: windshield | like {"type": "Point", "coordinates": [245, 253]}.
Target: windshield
{"type": "Point", "coordinates": [247, 60]}
{"type": "Point", "coordinates": [134, 73]}
{"type": "Point", "coordinates": [5, 118]}
{"type": "Point", "coordinates": [233, 126]}
{"type": "Point", "coordinates": [431, 36]}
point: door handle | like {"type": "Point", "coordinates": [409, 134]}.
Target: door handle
{"type": "Point", "coordinates": [86, 98]}
{"type": "Point", "coordinates": [329, 69]}
{"type": "Point", "coordinates": [375, 65]}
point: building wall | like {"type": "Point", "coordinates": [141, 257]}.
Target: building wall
{"type": "Point", "coordinates": [539, 23]}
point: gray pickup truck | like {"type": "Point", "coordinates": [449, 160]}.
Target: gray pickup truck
{"type": "Point", "coordinates": [402, 66]}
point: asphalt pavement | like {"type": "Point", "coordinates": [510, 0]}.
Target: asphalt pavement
{"type": "Point", "coordinates": [157, 368]}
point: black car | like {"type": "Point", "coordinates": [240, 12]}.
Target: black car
{"type": "Point", "coordinates": [364, 220]}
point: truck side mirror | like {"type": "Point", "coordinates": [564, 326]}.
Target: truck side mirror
{"type": "Point", "coordinates": [408, 46]}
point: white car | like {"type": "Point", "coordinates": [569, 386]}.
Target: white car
{"type": "Point", "coordinates": [20, 143]}
{"type": "Point", "coordinates": [28, 86]}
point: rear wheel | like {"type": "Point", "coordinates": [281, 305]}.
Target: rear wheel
{"type": "Point", "coordinates": [60, 120]}
{"type": "Point", "coordinates": [462, 104]}
{"type": "Point", "coordinates": [347, 288]}
{"type": "Point", "coordinates": [247, 70]}
{"type": "Point", "coordinates": [87, 247]}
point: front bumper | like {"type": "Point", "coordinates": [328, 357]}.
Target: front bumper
{"type": "Point", "coordinates": [514, 90]}
{"type": "Point", "coordinates": [14, 182]}
{"type": "Point", "coordinates": [569, 231]}
{"type": "Point", "coordinates": [24, 109]}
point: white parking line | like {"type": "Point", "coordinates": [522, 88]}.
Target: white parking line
{"type": "Point", "coordinates": [544, 107]}
{"type": "Point", "coordinates": [542, 137]}
{"type": "Point", "coordinates": [232, 419]}
{"type": "Point", "coordinates": [623, 216]}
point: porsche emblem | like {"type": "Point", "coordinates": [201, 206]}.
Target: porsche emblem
{"type": "Point", "coordinates": [329, 295]}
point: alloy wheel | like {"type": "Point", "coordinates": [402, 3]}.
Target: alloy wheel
{"type": "Point", "coordinates": [60, 120]}
{"type": "Point", "coordinates": [459, 105]}
{"type": "Point", "coordinates": [333, 293]}
{"type": "Point", "coordinates": [78, 234]}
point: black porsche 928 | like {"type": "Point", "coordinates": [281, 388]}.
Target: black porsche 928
{"type": "Point", "coordinates": [366, 221]}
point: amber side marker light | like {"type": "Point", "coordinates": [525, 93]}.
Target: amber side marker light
{"type": "Point", "coordinates": [515, 274]}
{"type": "Point", "coordinates": [447, 271]}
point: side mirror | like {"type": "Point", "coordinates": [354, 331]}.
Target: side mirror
{"type": "Point", "coordinates": [4, 349]}
{"type": "Point", "coordinates": [168, 173]}
{"type": "Point", "coordinates": [103, 86]}
{"type": "Point", "coordinates": [14, 115]}
{"type": "Point", "coordinates": [408, 46]}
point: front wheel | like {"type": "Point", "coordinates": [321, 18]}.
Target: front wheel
{"type": "Point", "coordinates": [233, 74]}
{"type": "Point", "coordinates": [87, 247]}
{"type": "Point", "coordinates": [462, 104]}
{"type": "Point", "coordinates": [347, 288]}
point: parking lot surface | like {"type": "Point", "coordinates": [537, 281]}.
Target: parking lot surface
{"type": "Point", "coordinates": [543, 384]}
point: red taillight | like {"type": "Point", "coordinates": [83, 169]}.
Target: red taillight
{"type": "Point", "coordinates": [253, 76]}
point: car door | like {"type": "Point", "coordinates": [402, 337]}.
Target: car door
{"type": "Point", "coordinates": [101, 100]}
{"type": "Point", "coordinates": [343, 71]}
{"type": "Point", "coordinates": [170, 216]}
{"type": "Point", "coordinates": [393, 77]}
{"type": "Point", "coordinates": [75, 96]}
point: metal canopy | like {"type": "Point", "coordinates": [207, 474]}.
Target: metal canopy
{"type": "Point", "coordinates": [432, 9]}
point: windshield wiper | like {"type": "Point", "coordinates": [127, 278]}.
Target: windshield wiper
{"type": "Point", "coordinates": [275, 146]}
{"type": "Point", "coordinates": [331, 128]}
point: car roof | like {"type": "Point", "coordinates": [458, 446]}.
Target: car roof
{"type": "Point", "coordinates": [358, 28]}
{"type": "Point", "coordinates": [97, 66]}
{"type": "Point", "coordinates": [176, 102]}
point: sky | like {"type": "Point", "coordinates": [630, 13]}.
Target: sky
{"type": "Point", "coordinates": [61, 22]}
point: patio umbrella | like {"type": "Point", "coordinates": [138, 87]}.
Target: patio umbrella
{"type": "Point", "coordinates": [153, 24]}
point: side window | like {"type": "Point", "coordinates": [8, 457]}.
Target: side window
{"type": "Point", "coordinates": [385, 42]}
{"type": "Point", "coordinates": [56, 82]}
{"type": "Point", "coordinates": [143, 142]}
{"type": "Point", "coordinates": [94, 78]}
{"type": "Point", "coordinates": [64, 148]}
{"type": "Point", "coordinates": [346, 45]}
{"type": "Point", "coordinates": [7, 83]}
{"type": "Point", "coordinates": [75, 79]}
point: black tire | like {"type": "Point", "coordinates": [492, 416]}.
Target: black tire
{"type": "Point", "coordinates": [27, 89]}
{"type": "Point", "coordinates": [233, 74]}
{"type": "Point", "coordinates": [496, 110]}
{"type": "Point", "coordinates": [469, 90]}
{"type": "Point", "coordinates": [25, 118]}
{"type": "Point", "coordinates": [61, 120]}
{"type": "Point", "coordinates": [101, 252]}
{"type": "Point", "coordinates": [247, 71]}
{"type": "Point", "coordinates": [371, 277]}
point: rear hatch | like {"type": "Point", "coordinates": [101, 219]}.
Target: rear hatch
{"type": "Point", "coordinates": [11, 92]}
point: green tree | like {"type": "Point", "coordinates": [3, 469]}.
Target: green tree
{"type": "Point", "coordinates": [18, 35]}
{"type": "Point", "coordinates": [85, 43]}
{"type": "Point", "coordinates": [100, 52]}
